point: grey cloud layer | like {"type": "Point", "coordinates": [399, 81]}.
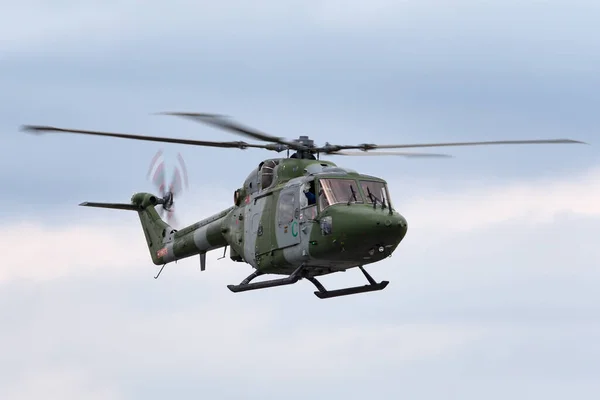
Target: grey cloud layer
{"type": "Point", "coordinates": [479, 306]}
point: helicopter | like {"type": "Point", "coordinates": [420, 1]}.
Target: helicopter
{"type": "Point", "coordinates": [297, 216]}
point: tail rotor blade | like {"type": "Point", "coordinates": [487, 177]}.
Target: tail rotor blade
{"type": "Point", "coordinates": [176, 186]}
{"type": "Point", "coordinates": [153, 163]}
{"type": "Point", "coordinates": [158, 178]}
{"type": "Point", "coordinates": [183, 169]}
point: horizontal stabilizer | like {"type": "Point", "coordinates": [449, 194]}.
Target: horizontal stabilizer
{"type": "Point", "coordinates": [116, 206]}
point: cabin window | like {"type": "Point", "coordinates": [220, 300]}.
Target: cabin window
{"type": "Point", "coordinates": [267, 173]}
{"type": "Point", "coordinates": [335, 191]}
{"type": "Point", "coordinates": [286, 208]}
{"type": "Point", "coordinates": [376, 192]}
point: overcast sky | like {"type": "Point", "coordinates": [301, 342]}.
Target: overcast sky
{"type": "Point", "coordinates": [493, 292]}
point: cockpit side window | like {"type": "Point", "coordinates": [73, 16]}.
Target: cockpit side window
{"type": "Point", "coordinates": [309, 194]}
{"type": "Point", "coordinates": [308, 201]}
{"type": "Point", "coordinates": [267, 173]}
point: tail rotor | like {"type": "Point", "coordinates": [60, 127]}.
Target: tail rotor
{"type": "Point", "coordinates": [168, 191]}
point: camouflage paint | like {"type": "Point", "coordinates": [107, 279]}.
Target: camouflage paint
{"type": "Point", "coordinates": [167, 244]}
{"type": "Point", "coordinates": [340, 237]}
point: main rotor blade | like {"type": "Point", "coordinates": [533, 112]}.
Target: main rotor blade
{"type": "Point", "coordinates": [220, 121]}
{"type": "Point", "coordinates": [365, 147]}
{"type": "Point", "coordinates": [390, 153]}
{"type": "Point", "coordinates": [239, 145]}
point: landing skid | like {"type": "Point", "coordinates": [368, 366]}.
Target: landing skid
{"type": "Point", "coordinates": [373, 286]}
{"type": "Point", "coordinates": [298, 274]}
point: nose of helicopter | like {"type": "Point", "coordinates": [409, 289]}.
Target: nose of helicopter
{"type": "Point", "coordinates": [381, 228]}
{"type": "Point", "coordinates": [365, 233]}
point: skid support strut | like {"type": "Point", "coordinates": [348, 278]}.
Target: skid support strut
{"type": "Point", "coordinates": [246, 285]}
{"type": "Point", "coordinates": [373, 286]}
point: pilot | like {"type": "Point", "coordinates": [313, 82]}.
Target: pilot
{"type": "Point", "coordinates": [309, 192]}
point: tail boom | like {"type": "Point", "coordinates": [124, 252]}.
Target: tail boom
{"type": "Point", "coordinates": [165, 243]}
{"type": "Point", "coordinates": [198, 238]}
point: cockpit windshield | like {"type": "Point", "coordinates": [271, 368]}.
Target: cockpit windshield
{"type": "Point", "coordinates": [376, 192]}
{"type": "Point", "coordinates": [335, 191]}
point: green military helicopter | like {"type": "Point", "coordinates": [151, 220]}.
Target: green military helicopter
{"type": "Point", "coordinates": [298, 216]}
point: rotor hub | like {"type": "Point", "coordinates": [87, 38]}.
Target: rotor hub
{"type": "Point", "coordinates": [305, 141]}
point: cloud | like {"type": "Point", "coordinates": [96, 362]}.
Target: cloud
{"type": "Point", "coordinates": [434, 24]}
{"type": "Point", "coordinates": [57, 383]}
{"type": "Point", "coordinates": [33, 23]}
{"type": "Point", "coordinates": [218, 337]}
{"type": "Point", "coordinates": [494, 286]}
{"type": "Point", "coordinates": [86, 287]}
{"type": "Point", "coordinates": [41, 252]}
{"type": "Point", "coordinates": [477, 205]}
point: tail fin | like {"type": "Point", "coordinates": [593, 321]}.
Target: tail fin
{"type": "Point", "coordinates": [116, 206]}
{"type": "Point", "coordinates": [157, 232]}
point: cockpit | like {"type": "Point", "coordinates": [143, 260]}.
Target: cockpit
{"type": "Point", "coordinates": [326, 192]}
